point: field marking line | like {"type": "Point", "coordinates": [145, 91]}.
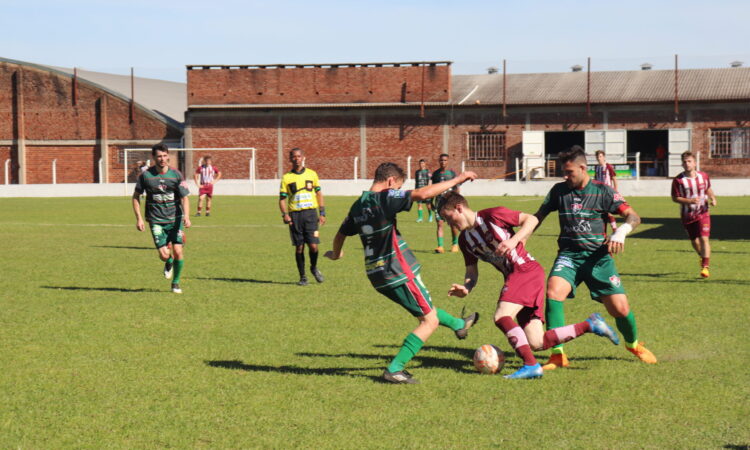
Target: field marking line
{"type": "Point", "coordinates": [119, 225]}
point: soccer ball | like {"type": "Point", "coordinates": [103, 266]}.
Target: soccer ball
{"type": "Point", "coordinates": [489, 359]}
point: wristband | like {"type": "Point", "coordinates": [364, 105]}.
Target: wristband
{"type": "Point", "coordinates": [322, 210]}
{"type": "Point", "coordinates": [622, 231]}
{"type": "Point", "coordinates": [283, 215]}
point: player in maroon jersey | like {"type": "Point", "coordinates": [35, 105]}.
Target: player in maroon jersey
{"type": "Point", "coordinates": [604, 172]}
{"type": "Point", "coordinates": [206, 176]}
{"type": "Point", "coordinates": [488, 235]}
{"type": "Point", "coordinates": [692, 190]}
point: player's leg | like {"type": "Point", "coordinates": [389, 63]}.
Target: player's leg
{"type": "Point", "coordinates": [420, 215]}
{"type": "Point", "coordinates": [177, 239]}
{"type": "Point", "coordinates": [618, 307]}
{"type": "Point", "coordinates": [705, 245]}
{"type": "Point", "coordinates": [439, 248]}
{"type": "Point", "coordinates": [298, 241]}
{"type": "Point", "coordinates": [459, 325]}
{"type": "Point", "coordinates": [429, 209]}
{"type": "Point", "coordinates": [505, 320]}
{"type": "Point", "coordinates": [161, 241]}
{"type": "Point", "coordinates": [312, 238]}
{"type": "Point", "coordinates": [209, 196]}
{"type": "Point", "coordinates": [558, 289]}
{"type": "Point", "coordinates": [200, 204]}
{"type": "Point", "coordinates": [454, 235]}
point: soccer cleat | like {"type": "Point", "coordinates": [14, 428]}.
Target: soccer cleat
{"type": "Point", "coordinates": [176, 288]}
{"type": "Point", "coordinates": [197, 214]}
{"type": "Point", "coordinates": [643, 353]}
{"type": "Point", "coordinates": [527, 372]}
{"type": "Point", "coordinates": [316, 273]}
{"type": "Point", "coordinates": [302, 281]}
{"type": "Point", "coordinates": [469, 321]}
{"type": "Point", "coordinates": [419, 220]}
{"type": "Point", "coordinates": [168, 270]}
{"type": "Point", "coordinates": [430, 219]}
{"type": "Point", "coordinates": [208, 213]}
{"type": "Point", "coordinates": [600, 328]}
{"type": "Point", "coordinates": [439, 249]}
{"type": "Point", "coordinates": [454, 248]}
{"type": "Point", "coordinates": [704, 272]}
{"type": "Point", "coordinates": [556, 360]}
{"type": "Point", "coordinates": [400, 377]}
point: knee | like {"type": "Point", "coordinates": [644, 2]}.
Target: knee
{"type": "Point", "coordinates": [619, 309]}
{"type": "Point", "coordinates": [300, 249]}
{"type": "Point", "coordinates": [431, 321]}
{"type": "Point", "coordinates": [535, 342]}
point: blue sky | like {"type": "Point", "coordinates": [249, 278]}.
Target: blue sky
{"type": "Point", "coordinates": [159, 38]}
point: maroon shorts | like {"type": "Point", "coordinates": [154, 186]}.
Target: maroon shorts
{"type": "Point", "coordinates": [699, 228]}
{"type": "Point", "coordinates": [526, 288]}
{"type": "Point", "coordinates": [206, 189]}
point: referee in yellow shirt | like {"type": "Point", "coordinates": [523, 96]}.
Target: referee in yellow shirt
{"type": "Point", "coordinates": [299, 202]}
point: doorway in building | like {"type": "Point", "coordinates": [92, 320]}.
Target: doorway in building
{"type": "Point", "coordinates": [556, 142]}
{"type": "Point", "coordinates": [653, 146]}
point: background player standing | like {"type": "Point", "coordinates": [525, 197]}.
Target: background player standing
{"type": "Point", "coordinates": [584, 255]}
{"type": "Point", "coordinates": [299, 202]}
{"type": "Point", "coordinates": [390, 264]}
{"type": "Point", "coordinates": [205, 177]}
{"type": "Point", "coordinates": [443, 174]}
{"type": "Point", "coordinates": [167, 208]}
{"type": "Point", "coordinates": [422, 179]}
{"type": "Point", "coordinates": [604, 172]}
{"type": "Point", "coordinates": [488, 235]}
{"type": "Point", "coordinates": [692, 190]}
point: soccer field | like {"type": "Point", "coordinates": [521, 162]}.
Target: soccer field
{"type": "Point", "coordinates": [96, 352]}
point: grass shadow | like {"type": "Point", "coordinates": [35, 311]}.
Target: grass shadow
{"type": "Point", "coordinates": [243, 280]}
{"type": "Point", "coordinates": [296, 370]}
{"type": "Point", "coordinates": [104, 289]}
{"type": "Point", "coordinates": [693, 251]}
{"type": "Point", "coordinates": [421, 360]}
{"type": "Point", "coordinates": [123, 247]}
{"type": "Point", "coordinates": [729, 227]}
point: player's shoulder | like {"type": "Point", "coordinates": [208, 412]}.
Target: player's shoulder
{"type": "Point", "coordinates": [703, 174]}
{"type": "Point", "coordinates": [311, 172]}
{"type": "Point", "coordinates": [175, 172]}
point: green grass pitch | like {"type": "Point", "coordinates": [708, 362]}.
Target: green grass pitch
{"type": "Point", "coordinates": [96, 352]}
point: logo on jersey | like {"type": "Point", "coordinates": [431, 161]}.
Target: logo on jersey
{"type": "Point", "coordinates": [156, 230]}
{"type": "Point", "coordinates": [618, 197]}
{"type": "Point", "coordinates": [162, 186]}
{"type": "Point", "coordinates": [309, 185]}
{"type": "Point", "coordinates": [614, 280]}
{"type": "Point", "coordinates": [581, 227]}
{"type": "Point", "coordinates": [577, 207]}
{"type": "Point", "coordinates": [396, 193]}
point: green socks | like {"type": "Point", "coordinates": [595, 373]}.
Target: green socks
{"type": "Point", "coordinates": [626, 325]}
{"type": "Point", "coordinates": [440, 242]}
{"type": "Point", "coordinates": [446, 320]}
{"type": "Point", "coordinates": [420, 214]}
{"type": "Point", "coordinates": [412, 345]}
{"type": "Point", "coordinates": [455, 239]}
{"type": "Point", "coordinates": [170, 260]}
{"type": "Point", "coordinates": [555, 317]}
{"type": "Point", "coordinates": [178, 270]}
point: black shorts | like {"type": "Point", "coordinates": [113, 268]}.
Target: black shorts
{"type": "Point", "coordinates": [304, 227]}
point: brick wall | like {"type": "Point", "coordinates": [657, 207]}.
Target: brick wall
{"type": "Point", "coordinates": [6, 153]}
{"type": "Point", "coordinates": [74, 164]}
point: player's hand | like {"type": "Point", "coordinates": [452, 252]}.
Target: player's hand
{"type": "Point", "coordinates": [713, 201]}
{"type": "Point", "coordinates": [458, 290]}
{"type": "Point", "coordinates": [187, 222]}
{"type": "Point", "coordinates": [287, 219]}
{"type": "Point", "coordinates": [139, 225]}
{"type": "Point", "coordinates": [332, 256]}
{"type": "Point", "coordinates": [506, 246]}
{"type": "Point", "coordinates": [468, 175]}
{"type": "Point", "coordinates": [615, 247]}
{"type": "Point", "coordinates": [695, 201]}
{"type": "Point", "coordinates": [322, 220]}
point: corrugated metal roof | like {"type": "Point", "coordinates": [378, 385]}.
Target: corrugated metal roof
{"type": "Point", "coordinates": [638, 86]}
{"type": "Point", "coordinates": [317, 105]}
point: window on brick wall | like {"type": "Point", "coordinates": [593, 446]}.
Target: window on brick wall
{"type": "Point", "coordinates": [730, 142]}
{"type": "Point", "coordinates": [486, 146]}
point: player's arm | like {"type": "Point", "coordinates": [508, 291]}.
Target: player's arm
{"type": "Point", "coordinates": [432, 190]}
{"type": "Point", "coordinates": [681, 200]}
{"type": "Point", "coordinates": [470, 280]}
{"type": "Point", "coordinates": [338, 247]}
{"type": "Point", "coordinates": [711, 196]}
{"type": "Point", "coordinates": [616, 242]}
{"type": "Point", "coordinates": [217, 177]}
{"type": "Point", "coordinates": [527, 225]}
{"type": "Point", "coordinates": [197, 179]}
{"type": "Point", "coordinates": [283, 208]}
{"type": "Point", "coordinates": [185, 201]}
{"type": "Point", "coordinates": [137, 210]}
{"type": "Point", "coordinates": [321, 207]}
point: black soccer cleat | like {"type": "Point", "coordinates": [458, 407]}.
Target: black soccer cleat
{"type": "Point", "coordinates": [176, 288]}
{"type": "Point", "coordinates": [316, 273]}
{"type": "Point", "coordinates": [168, 270]}
{"type": "Point", "coordinates": [400, 377]}
{"type": "Point", "coordinates": [302, 281]}
{"type": "Point", "coordinates": [208, 213]}
{"type": "Point", "coordinates": [469, 321]}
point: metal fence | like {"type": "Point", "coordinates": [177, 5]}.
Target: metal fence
{"type": "Point", "coordinates": [730, 143]}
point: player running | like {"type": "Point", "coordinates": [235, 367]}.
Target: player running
{"type": "Point", "coordinates": [604, 173]}
{"type": "Point", "coordinates": [692, 190]}
{"type": "Point", "coordinates": [443, 174]}
{"type": "Point", "coordinates": [390, 264]}
{"type": "Point", "coordinates": [488, 235]}
{"type": "Point", "coordinates": [422, 179]}
{"type": "Point", "coordinates": [167, 208]}
{"type": "Point", "coordinates": [584, 254]}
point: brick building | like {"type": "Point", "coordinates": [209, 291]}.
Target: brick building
{"type": "Point", "coordinates": [49, 117]}
{"type": "Point", "coordinates": [373, 112]}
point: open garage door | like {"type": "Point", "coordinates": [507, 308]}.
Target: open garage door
{"type": "Point", "coordinates": [679, 142]}
{"type": "Point", "coordinates": [613, 142]}
{"type": "Point", "coordinates": [533, 154]}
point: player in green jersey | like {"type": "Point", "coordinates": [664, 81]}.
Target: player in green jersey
{"type": "Point", "coordinates": [422, 179]}
{"type": "Point", "coordinates": [167, 209]}
{"type": "Point", "coordinates": [438, 176]}
{"type": "Point", "coordinates": [391, 266]}
{"type": "Point", "coordinates": [585, 252]}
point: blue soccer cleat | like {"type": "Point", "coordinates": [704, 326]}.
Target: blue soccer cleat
{"type": "Point", "coordinates": [600, 328]}
{"type": "Point", "coordinates": [527, 372]}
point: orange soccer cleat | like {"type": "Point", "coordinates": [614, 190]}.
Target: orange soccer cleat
{"type": "Point", "coordinates": [704, 272]}
{"type": "Point", "coordinates": [642, 353]}
{"type": "Point", "coordinates": [454, 249]}
{"type": "Point", "coordinates": [556, 360]}
{"type": "Point", "coordinates": [440, 249]}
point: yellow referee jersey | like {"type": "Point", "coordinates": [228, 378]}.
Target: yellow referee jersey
{"type": "Point", "coordinates": [300, 189]}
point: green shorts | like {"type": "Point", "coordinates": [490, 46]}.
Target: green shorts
{"type": "Point", "coordinates": [412, 295]}
{"type": "Point", "coordinates": [596, 269]}
{"type": "Point", "coordinates": [164, 233]}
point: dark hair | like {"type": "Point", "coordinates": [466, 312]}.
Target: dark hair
{"type": "Point", "coordinates": [159, 148]}
{"type": "Point", "coordinates": [687, 154]}
{"type": "Point", "coordinates": [296, 149]}
{"type": "Point", "coordinates": [450, 200]}
{"type": "Point", "coordinates": [599, 152]}
{"type": "Point", "coordinates": [574, 154]}
{"type": "Point", "coordinates": [387, 170]}
{"type": "Point", "coordinates": [422, 160]}
{"type": "Point", "coordinates": [444, 154]}
{"type": "Point", "coordinates": [207, 157]}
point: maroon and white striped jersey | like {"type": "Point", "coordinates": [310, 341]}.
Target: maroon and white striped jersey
{"type": "Point", "coordinates": [493, 226]}
{"type": "Point", "coordinates": [686, 187]}
{"type": "Point", "coordinates": [207, 173]}
{"type": "Point", "coordinates": [605, 174]}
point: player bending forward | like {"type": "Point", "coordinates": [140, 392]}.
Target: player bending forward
{"type": "Point", "coordinates": [488, 235]}
{"type": "Point", "coordinates": [391, 266]}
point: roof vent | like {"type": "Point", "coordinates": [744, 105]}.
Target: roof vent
{"type": "Point", "coordinates": [491, 70]}
{"type": "Point", "coordinates": [576, 68]}
{"type": "Point", "coordinates": [646, 66]}
{"type": "Point", "coordinates": [736, 63]}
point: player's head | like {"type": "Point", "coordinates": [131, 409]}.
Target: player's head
{"type": "Point", "coordinates": [422, 164]}
{"type": "Point", "coordinates": [297, 158]}
{"type": "Point", "coordinates": [688, 161]}
{"type": "Point", "coordinates": [601, 158]}
{"type": "Point", "coordinates": [160, 152]}
{"type": "Point", "coordinates": [390, 174]}
{"type": "Point", "coordinates": [455, 209]}
{"type": "Point", "coordinates": [207, 160]}
{"type": "Point", "coordinates": [443, 160]}
{"type": "Point", "coordinates": [574, 166]}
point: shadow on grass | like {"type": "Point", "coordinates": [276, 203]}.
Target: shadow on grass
{"type": "Point", "coordinates": [688, 280]}
{"type": "Point", "coordinates": [737, 447]}
{"type": "Point", "coordinates": [243, 280]}
{"type": "Point", "coordinates": [105, 289]}
{"type": "Point", "coordinates": [730, 227]}
{"type": "Point", "coordinates": [123, 247]}
{"type": "Point", "coordinates": [693, 251]}
{"type": "Point", "coordinates": [458, 365]}
{"type": "Point", "coordinates": [296, 370]}
{"type": "Point", "coordinates": [649, 275]}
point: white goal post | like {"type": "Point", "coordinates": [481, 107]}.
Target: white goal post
{"type": "Point", "coordinates": [144, 154]}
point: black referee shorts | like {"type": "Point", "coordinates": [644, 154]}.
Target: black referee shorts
{"type": "Point", "coordinates": [304, 227]}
